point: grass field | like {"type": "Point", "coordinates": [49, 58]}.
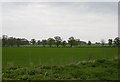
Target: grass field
{"type": "Point", "coordinates": [34, 63]}
{"type": "Point", "coordinates": [53, 56]}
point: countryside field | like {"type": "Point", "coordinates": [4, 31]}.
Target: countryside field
{"type": "Point", "coordinates": [59, 41]}
{"type": "Point", "coordinates": [34, 63]}
{"type": "Point", "coordinates": [53, 56]}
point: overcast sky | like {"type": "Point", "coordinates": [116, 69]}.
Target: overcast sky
{"type": "Point", "coordinates": [87, 21]}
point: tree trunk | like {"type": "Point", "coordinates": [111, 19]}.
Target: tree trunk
{"type": "Point", "coordinates": [57, 45]}
{"type": "Point", "coordinates": [71, 45]}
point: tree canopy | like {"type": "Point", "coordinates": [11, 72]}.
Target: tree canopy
{"type": "Point", "coordinates": [57, 40]}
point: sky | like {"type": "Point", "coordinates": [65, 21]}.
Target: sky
{"type": "Point", "coordinates": [92, 21]}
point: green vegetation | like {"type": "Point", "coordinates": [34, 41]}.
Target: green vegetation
{"type": "Point", "coordinates": [57, 59]}
{"type": "Point", "coordinates": [57, 40]}
{"type": "Point", "coordinates": [0, 63]}
{"type": "Point", "coordinates": [53, 56]}
{"type": "Point", "coordinates": [101, 69]}
{"type": "Point", "coordinates": [36, 63]}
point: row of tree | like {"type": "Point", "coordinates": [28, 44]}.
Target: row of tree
{"type": "Point", "coordinates": [57, 40]}
{"type": "Point", "coordinates": [11, 41]}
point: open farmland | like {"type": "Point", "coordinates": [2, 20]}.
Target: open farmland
{"type": "Point", "coordinates": [53, 56]}
{"type": "Point", "coordinates": [33, 63]}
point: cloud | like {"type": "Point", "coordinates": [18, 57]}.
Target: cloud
{"type": "Point", "coordinates": [59, 0]}
{"type": "Point", "coordinates": [87, 21]}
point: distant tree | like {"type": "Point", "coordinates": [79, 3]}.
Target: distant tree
{"type": "Point", "coordinates": [58, 40]}
{"type": "Point", "coordinates": [38, 42]}
{"type": "Point", "coordinates": [117, 41]}
{"type": "Point", "coordinates": [18, 42]}
{"type": "Point", "coordinates": [71, 41]}
{"type": "Point", "coordinates": [0, 41]}
{"type": "Point", "coordinates": [110, 42]}
{"type": "Point", "coordinates": [103, 42]}
{"type": "Point", "coordinates": [51, 41]}
{"type": "Point", "coordinates": [33, 41]}
{"type": "Point", "coordinates": [97, 42]}
{"type": "Point", "coordinates": [11, 41]}
{"type": "Point", "coordinates": [4, 40]}
{"type": "Point", "coordinates": [44, 42]}
{"type": "Point", "coordinates": [76, 42]}
{"type": "Point", "coordinates": [89, 42]}
{"type": "Point", "coordinates": [64, 43]}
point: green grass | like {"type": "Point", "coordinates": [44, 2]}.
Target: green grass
{"type": "Point", "coordinates": [27, 56]}
{"type": "Point", "coordinates": [101, 69]}
{"type": "Point", "coordinates": [0, 63]}
{"type": "Point", "coordinates": [35, 63]}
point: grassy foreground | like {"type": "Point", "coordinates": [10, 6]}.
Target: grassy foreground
{"type": "Point", "coordinates": [34, 63]}
{"type": "Point", "coordinates": [101, 69]}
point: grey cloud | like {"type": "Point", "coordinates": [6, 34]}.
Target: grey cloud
{"type": "Point", "coordinates": [87, 21]}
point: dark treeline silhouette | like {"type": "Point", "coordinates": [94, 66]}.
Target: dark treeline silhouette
{"type": "Point", "coordinates": [11, 41]}
{"type": "Point", "coordinates": [57, 40]}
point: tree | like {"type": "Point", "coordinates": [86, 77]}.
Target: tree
{"type": "Point", "coordinates": [18, 42]}
{"type": "Point", "coordinates": [38, 42]}
{"type": "Point", "coordinates": [4, 40]}
{"type": "Point", "coordinates": [71, 41]}
{"type": "Point", "coordinates": [103, 42]}
{"type": "Point", "coordinates": [33, 41]}
{"type": "Point", "coordinates": [64, 43]}
{"type": "Point", "coordinates": [110, 42]}
{"type": "Point", "coordinates": [77, 42]}
{"type": "Point", "coordinates": [0, 41]}
{"type": "Point", "coordinates": [58, 40]}
{"type": "Point", "coordinates": [51, 41]}
{"type": "Point", "coordinates": [117, 41]}
{"type": "Point", "coordinates": [89, 42]}
{"type": "Point", "coordinates": [44, 42]}
{"type": "Point", "coordinates": [97, 42]}
{"type": "Point", "coordinates": [11, 41]}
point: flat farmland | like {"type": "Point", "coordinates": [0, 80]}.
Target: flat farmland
{"type": "Point", "coordinates": [26, 56]}
{"type": "Point", "coordinates": [35, 63]}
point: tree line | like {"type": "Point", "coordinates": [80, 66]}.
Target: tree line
{"type": "Point", "coordinates": [57, 40]}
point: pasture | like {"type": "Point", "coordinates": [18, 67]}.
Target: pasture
{"type": "Point", "coordinates": [35, 63]}
{"type": "Point", "coordinates": [26, 56]}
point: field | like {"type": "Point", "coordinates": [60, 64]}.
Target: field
{"type": "Point", "coordinates": [57, 63]}
{"type": "Point", "coordinates": [54, 56]}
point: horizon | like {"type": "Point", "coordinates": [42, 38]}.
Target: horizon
{"type": "Point", "coordinates": [61, 38]}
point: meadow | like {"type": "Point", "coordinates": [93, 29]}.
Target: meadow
{"type": "Point", "coordinates": [38, 63]}
{"type": "Point", "coordinates": [53, 56]}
